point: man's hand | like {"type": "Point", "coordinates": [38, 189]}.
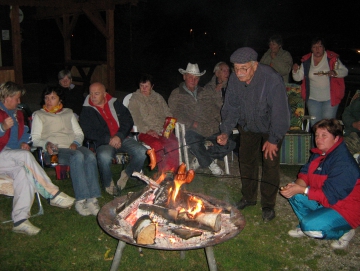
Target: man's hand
{"type": "Point", "coordinates": [269, 150]}
{"type": "Point", "coordinates": [356, 125]}
{"type": "Point", "coordinates": [25, 146]}
{"type": "Point", "coordinates": [8, 123]}
{"type": "Point", "coordinates": [222, 139]}
{"type": "Point", "coordinates": [73, 146]}
{"type": "Point", "coordinates": [115, 142]}
{"type": "Point", "coordinates": [152, 133]}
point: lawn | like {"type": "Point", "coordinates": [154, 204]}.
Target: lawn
{"type": "Point", "coordinates": [71, 242]}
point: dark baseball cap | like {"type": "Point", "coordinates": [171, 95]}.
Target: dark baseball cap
{"type": "Point", "coordinates": [243, 55]}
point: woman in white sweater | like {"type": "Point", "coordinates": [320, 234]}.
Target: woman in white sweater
{"type": "Point", "coordinates": [54, 124]}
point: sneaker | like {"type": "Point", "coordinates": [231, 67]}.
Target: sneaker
{"type": "Point", "coordinates": [62, 200]}
{"type": "Point", "coordinates": [93, 206]}
{"type": "Point", "coordinates": [215, 169]}
{"type": "Point", "coordinates": [27, 228]}
{"type": "Point", "coordinates": [194, 165]}
{"type": "Point", "coordinates": [123, 180]}
{"type": "Point", "coordinates": [112, 189]}
{"type": "Point", "coordinates": [296, 233]}
{"type": "Point", "coordinates": [81, 207]}
{"type": "Point", "coordinates": [344, 240]}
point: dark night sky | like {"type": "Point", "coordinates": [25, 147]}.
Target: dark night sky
{"type": "Point", "coordinates": [155, 37]}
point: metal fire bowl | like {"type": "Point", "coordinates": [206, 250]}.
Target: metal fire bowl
{"type": "Point", "coordinates": [107, 215]}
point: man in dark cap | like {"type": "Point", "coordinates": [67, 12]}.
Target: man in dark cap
{"type": "Point", "coordinates": [256, 100]}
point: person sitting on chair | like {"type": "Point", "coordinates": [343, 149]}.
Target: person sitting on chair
{"type": "Point", "coordinates": [17, 162]}
{"type": "Point", "coordinates": [351, 120]}
{"type": "Point", "coordinates": [54, 124]}
{"type": "Point", "coordinates": [108, 123]}
{"type": "Point", "coordinates": [149, 111]}
{"type": "Point", "coordinates": [325, 196]}
{"type": "Point", "coordinates": [193, 106]}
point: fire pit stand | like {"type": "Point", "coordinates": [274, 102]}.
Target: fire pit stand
{"type": "Point", "coordinates": [107, 216]}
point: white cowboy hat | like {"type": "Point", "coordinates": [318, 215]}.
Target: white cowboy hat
{"type": "Point", "coordinates": [192, 69]}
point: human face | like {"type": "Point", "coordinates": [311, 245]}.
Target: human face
{"type": "Point", "coordinates": [52, 100]}
{"type": "Point", "coordinates": [11, 102]}
{"type": "Point", "coordinates": [324, 140]}
{"type": "Point", "coordinates": [146, 88]}
{"type": "Point", "coordinates": [65, 82]}
{"type": "Point", "coordinates": [97, 94]}
{"type": "Point", "coordinates": [318, 49]}
{"type": "Point", "coordinates": [191, 81]}
{"type": "Point", "coordinates": [245, 72]}
{"type": "Point", "coordinates": [223, 74]}
{"type": "Point", "coordinates": [274, 47]}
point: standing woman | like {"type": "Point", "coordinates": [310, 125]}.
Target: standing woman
{"type": "Point", "coordinates": [323, 86]}
{"type": "Point", "coordinates": [54, 124]}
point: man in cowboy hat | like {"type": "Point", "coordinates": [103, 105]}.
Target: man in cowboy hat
{"type": "Point", "coordinates": [256, 100]}
{"type": "Point", "coordinates": [190, 104]}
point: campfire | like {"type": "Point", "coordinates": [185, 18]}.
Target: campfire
{"type": "Point", "coordinates": [165, 216]}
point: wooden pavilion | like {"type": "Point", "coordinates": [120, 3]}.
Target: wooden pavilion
{"type": "Point", "coordinates": [66, 13]}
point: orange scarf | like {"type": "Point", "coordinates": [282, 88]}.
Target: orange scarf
{"type": "Point", "coordinates": [55, 109]}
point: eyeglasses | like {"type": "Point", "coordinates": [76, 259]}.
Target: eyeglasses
{"type": "Point", "coordinates": [242, 70]}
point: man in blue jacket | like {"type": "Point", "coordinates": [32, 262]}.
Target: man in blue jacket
{"type": "Point", "coordinates": [256, 100]}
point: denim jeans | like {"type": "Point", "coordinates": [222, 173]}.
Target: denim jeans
{"type": "Point", "coordinates": [321, 110]}
{"type": "Point", "coordinates": [315, 217]}
{"type": "Point", "coordinates": [105, 154]}
{"type": "Point", "coordinates": [83, 171]}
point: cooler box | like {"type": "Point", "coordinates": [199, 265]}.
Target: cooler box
{"type": "Point", "coordinates": [295, 149]}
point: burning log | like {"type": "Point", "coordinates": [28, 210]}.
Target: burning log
{"type": "Point", "coordinates": [144, 231]}
{"type": "Point", "coordinates": [146, 179]}
{"type": "Point", "coordinates": [168, 214]}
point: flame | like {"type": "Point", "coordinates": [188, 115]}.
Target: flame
{"type": "Point", "coordinates": [161, 178]}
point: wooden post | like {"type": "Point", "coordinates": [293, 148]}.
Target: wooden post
{"type": "Point", "coordinates": [110, 49]}
{"type": "Point", "coordinates": [16, 44]}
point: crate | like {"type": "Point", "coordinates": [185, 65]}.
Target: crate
{"type": "Point", "coordinates": [295, 149]}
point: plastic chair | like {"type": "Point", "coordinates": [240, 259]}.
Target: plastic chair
{"type": "Point", "coordinates": [134, 130]}
{"type": "Point", "coordinates": [183, 147]}
{"type": "Point", "coordinates": [7, 189]}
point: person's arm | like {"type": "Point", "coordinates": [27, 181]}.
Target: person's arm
{"type": "Point", "coordinates": [79, 135]}
{"type": "Point", "coordinates": [341, 70]}
{"type": "Point", "coordinates": [125, 120]}
{"type": "Point", "coordinates": [135, 111]}
{"type": "Point", "coordinates": [179, 110]}
{"type": "Point", "coordinates": [36, 132]}
{"type": "Point", "coordinates": [351, 116]}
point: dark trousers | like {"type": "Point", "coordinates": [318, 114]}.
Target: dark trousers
{"type": "Point", "coordinates": [249, 158]}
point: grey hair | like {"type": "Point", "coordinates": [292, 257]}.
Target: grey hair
{"type": "Point", "coordinates": [64, 73]}
{"type": "Point", "coordinates": [9, 89]}
{"type": "Point", "coordinates": [217, 66]}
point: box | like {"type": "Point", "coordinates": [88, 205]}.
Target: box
{"type": "Point", "coordinates": [295, 149]}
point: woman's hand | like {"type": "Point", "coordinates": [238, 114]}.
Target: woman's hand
{"type": "Point", "coordinates": [8, 123]}
{"type": "Point", "coordinates": [73, 146]}
{"type": "Point", "coordinates": [291, 189]}
{"type": "Point", "coordinates": [49, 146]}
{"type": "Point", "coordinates": [152, 133]}
{"type": "Point", "coordinates": [295, 67]}
{"type": "Point", "coordinates": [25, 146]}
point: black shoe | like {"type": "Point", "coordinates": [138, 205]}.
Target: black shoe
{"type": "Point", "coordinates": [244, 203]}
{"type": "Point", "coordinates": [268, 214]}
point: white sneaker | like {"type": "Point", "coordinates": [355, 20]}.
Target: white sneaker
{"type": "Point", "coordinates": [93, 206]}
{"type": "Point", "coordinates": [194, 165]}
{"type": "Point", "coordinates": [81, 207]}
{"type": "Point", "coordinates": [112, 189]}
{"type": "Point", "coordinates": [123, 180]}
{"type": "Point", "coordinates": [27, 228]}
{"type": "Point", "coordinates": [215, 169]}
{"type": "Point", "coordinates": [62, 200]}
{"type": "Point", "coordinates": [344, 240]}
{"type": "Point", "coordinates": [296, 233]}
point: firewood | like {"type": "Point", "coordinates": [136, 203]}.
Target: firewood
{"type": "Point", "coordinates": [206, 221]}
{"type": "Point", "coordinates": [186, 233]}
{"type": "Point", "coordinates": [144, 231]}
{"type": "Point", "coordinates": [168, 214]}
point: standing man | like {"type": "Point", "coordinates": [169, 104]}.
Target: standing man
{"type": "Point", "coordinates": [192, 106]}
{"type": "Point", "coordinates": [256, 99]}
{"type": "Point", "coordinates": [108, 123]}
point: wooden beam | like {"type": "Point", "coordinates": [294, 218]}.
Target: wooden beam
{"type": "Point", "coordinates": [110, 49]}
{"type": "Point", "coordinates": [16, 44]}
{"type": "Point", "coordinates": [96, 19]}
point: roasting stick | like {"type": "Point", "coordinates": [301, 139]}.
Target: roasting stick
{"type": "Point", "coordinates": [146, 179]}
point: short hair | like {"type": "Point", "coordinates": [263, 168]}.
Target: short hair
{"type": "Point", "coordinates": [50, 89]}
{"type": "Point", "coordinates": [333, 126]}
{"type": "Point", "coordinates": [146, 77]}
{"type": "Point", "coordinates": [276, 38]}
{"type": "Point", "coordinates": [317, 40]}
{"type": "Point", "coordinates": [64, 73]}
{"type": "Point", "coordinates": [9, 89]}
{"type": "Point", "coordinates": [218, 65]}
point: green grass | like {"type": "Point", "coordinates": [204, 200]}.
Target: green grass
{"type": "Point", "coordinates": [71, 242]}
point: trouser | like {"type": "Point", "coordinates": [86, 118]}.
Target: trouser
{"type": "Point", "coordinates": [28, 177]}
{"type": "Point", "coordinates": [315, 217]}
{"type": "Point", "coordinates": [321, 110]}
{"type": "Point", "coordinates": [249, 158]}
{"type": "Point", "coordinates": [166, 150]}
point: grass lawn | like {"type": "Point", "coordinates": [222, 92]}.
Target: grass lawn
{"type": "Point", "coordinates": [69, 241]}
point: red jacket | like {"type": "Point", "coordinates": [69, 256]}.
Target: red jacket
{"type": "Point", "coordinates": [337, 85]}
{"type": "Point", "coordinates": [5, 138]}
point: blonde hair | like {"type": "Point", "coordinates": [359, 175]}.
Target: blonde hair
{"type": "Point", "coordinates": [9, 89]}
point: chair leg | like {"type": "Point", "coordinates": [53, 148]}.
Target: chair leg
{"type": "Point", "coordinates": [226, 162]}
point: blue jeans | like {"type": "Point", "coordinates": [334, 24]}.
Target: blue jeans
{"type": "Point", "coordinates": [83, 171]}
{"type": "Point", "coordinates": [315, 217]}
{"type": "Point", "coordinates": [105, 154]}
{"type": "Point", "coordinates": [321, 110]}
